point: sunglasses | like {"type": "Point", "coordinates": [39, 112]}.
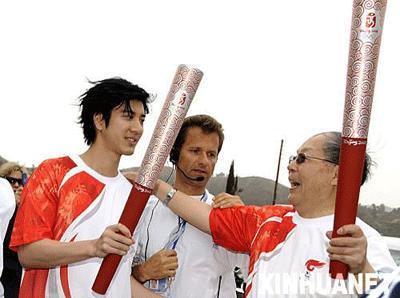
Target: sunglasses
{"type": "Point", "coordinates": [13, 180]}
{"type": "Point", "coordinates": [301, 158]}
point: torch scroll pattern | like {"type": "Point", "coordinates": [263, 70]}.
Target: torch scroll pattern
{"type": "Point", "coordinates": [180, 96]}
{"type": "Point", "coordinates": [366, 33]}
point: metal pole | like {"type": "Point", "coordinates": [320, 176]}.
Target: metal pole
{"type": "Point", "coordinates": [277, 175]}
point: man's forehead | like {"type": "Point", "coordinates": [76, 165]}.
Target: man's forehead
{"type": "Point", "coordinates": [196, 137]}
{"type": "Point", "coordinates": [196, 131]}
{"type": "Point", "coordinates": [313, 144]}
{"type": "Point", "coordinates": [135, 105]}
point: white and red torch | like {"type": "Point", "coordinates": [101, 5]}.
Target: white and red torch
{"type": "Point", "coordinates": [366, 33]}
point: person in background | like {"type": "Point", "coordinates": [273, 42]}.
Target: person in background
{"type": "Point", "coordinates": [12, 270]}
{"type": "Point", "coordinates": [7, 206]}
{"type": "Point", "coordinates": [16, 175]}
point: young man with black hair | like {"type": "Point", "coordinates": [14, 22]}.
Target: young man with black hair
{"type": "Point", "coordinates": [292, 239]}
{"type": "Point", "coordinates": [68, 217]}
{"type": "Point", "coordinates": [174, 258]}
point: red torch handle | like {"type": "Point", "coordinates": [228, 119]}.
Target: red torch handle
{"type": "Point", "coordinates": [352, 155]}
{"type": "Point", "coordinates": [130, 216]}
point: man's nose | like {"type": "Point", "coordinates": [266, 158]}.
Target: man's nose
{"type": "Point", "coordinates": [292, 165]}
{"type": "Point", "coordinates": [136, 126]}
{"type": "Point", "coordinates": [203, 158]}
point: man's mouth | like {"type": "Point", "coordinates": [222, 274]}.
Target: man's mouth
{"type": "Point", "coordinates": [294, 184]}
{"type": "Point", "coordinates": [199, 172]}
{"type": "Point", "coordinates": [133, 141]}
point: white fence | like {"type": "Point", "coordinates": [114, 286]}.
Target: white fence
{"type": "Point", "coordinates": [393, 243]}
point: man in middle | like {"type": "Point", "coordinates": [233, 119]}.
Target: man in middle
{"type": "Point", "coordinates": [165, 240]}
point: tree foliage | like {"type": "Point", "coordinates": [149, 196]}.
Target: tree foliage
{"type": "Point", "coordinates": [232, 181]}
{"type": "Point", "coordinates": [385, 221]}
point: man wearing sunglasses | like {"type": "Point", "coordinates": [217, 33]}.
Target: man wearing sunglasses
{"type": "Point", "coordinates": [294, 239]}
{"type": "Point", "coordinates": [7, 206]}
{"type": "Point", "coordinates": [15, 175]}
{"type": "Point", "coordinates": [14, 181]}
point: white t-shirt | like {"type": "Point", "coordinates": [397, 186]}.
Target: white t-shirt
{"type": "Point", "coordinates": [200, 261]}
{"type": "Point", "coordinates": [281, 242]}
{"type": "Point", "coordinates": [7, 206]}
{"type": "Point", "coordinates": [67, 201]}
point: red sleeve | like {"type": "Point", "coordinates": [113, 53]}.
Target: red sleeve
{"type": "Point", "coordinates": [234, 228]}
{"type": "Point", "coordinates": [39, 201]}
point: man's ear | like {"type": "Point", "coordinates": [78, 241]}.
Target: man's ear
{"type": "Point", "coordinates": [99, 122]}
{"type": "Point", "coordinates": [335, 175]}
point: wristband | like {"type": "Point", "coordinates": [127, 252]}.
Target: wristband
{"type": "Point", "coordinates": [169, 196]}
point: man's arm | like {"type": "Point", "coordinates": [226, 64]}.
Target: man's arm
{"type": "Point", "coordinates": [193, 211]}
{"type": "Point", "coordinates": [139, 291]}
{"type": "Point", "coordinates": [233, 228]}
{"type": "Point", "coordinates": [48, 253]}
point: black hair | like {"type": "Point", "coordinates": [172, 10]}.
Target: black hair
{"type": "Point", "coordinates": [207, 124]}
{"type": "Point", "coordinates": [332, 152]}
{"type": "Point", "coordinates": [103, 97]}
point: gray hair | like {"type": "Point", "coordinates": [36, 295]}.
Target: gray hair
{"type": "Point", "coordinates": [332, 152]}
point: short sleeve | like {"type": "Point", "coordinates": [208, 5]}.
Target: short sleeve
{"type": "Point", "coordinates": [37, 212]}
{"type": "Point", "coordinates": [234, 228]}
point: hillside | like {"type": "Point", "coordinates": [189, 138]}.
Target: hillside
{"type": "Point", "coordinates": [258, 191]}
{"type": "Point", "coordinates": [2, 160]}
{"type": "Point", "coordinates": [255, 190]}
